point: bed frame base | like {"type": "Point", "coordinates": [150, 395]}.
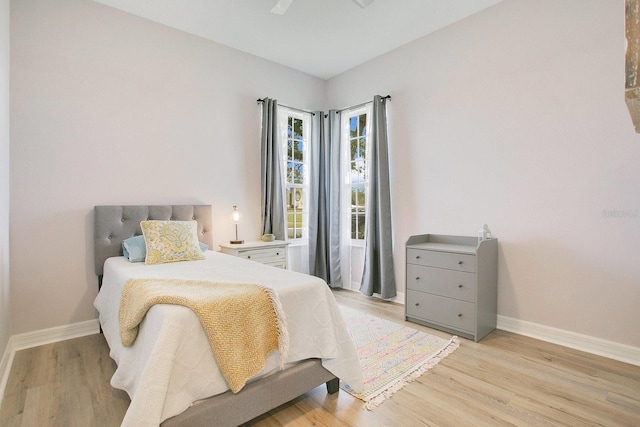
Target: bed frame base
{"type": "Point", "coordinates": [257, 397]}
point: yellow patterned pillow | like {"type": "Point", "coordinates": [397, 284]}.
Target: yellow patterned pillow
{"type": "Point", "coordinates": [171, 241]}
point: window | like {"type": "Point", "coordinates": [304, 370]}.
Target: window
{"type": "Point", "coordinates": [295, 139]}
{"type": "Point", "coordinates": [358, 179]}
{"type": "Point", "coordinates": [354, 143]}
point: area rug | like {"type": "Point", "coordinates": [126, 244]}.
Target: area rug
{"type": "Point", "coordinates": [391, 355]}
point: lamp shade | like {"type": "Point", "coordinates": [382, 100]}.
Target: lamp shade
{"type": "Point", "coordinates": [236, 216]}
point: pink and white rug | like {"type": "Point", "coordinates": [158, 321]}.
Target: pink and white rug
{"type": "Point", "coordinates": [391, 355]}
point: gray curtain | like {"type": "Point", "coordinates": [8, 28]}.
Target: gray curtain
{"type": "Point", "coordinates": [379, 275]}
{"type": "Point", "coordinates": [324, 206]}
{"type": "Point", "coordinates": [273, 207]}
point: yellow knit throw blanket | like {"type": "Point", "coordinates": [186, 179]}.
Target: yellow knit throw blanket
{"type": "Point", "coordinates": [244, 322]}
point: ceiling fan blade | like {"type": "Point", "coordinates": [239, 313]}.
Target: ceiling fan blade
{"type": "Point", "coordinates": [363, 3]}
{"type": "Point", "coordinates": [281, 7]}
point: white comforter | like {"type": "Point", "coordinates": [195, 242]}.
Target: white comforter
{"type": "Point", "coordinates": [171, 365]}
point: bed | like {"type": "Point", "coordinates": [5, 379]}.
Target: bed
{"type": "Point", "coordinates": [170, 372]}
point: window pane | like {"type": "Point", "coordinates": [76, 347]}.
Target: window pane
{"type": "Point", "coordinates": [354, 149]}
{"type": "Point", "coordinates": [298, 173]}
{"type": "Point", "coordinates": [290, 199]}
{"type": "Point", "coordinates": [297, 150]}
{"type": "Point", "coordinates": [362, 124]}
{"type": "Point", "coordinates": [357, 172]}
{"type": "Point", "coordinates": [353, 127]}
{"type": "Point", "coordinates": [295, 216]}
{"type": "Point", "coordinates": [289, 149]}
{"type": "Point", "coordinates": [362, 148]}
{"type": "Point", "coordinates": [361, 221]}
{"type": "Point", "coordinates": [357, 212]}
{"type": "Point", "coordinates": [297, 128]}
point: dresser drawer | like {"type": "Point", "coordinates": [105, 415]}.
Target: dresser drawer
{"type": "Point", "coordinates": [275, 255]}
{"type": "Point", "coordinates": [454, 284]}
{"type": "Point", "coordinates": [448, 260]}
{"type": "Point", "coordinates": [446, 311]}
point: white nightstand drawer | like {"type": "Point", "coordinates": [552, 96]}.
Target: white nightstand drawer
{"type": "Point", "coordinates": [445, 311]}
{"type": "Point", "coordinates": [449, 260]}
{"type": "Point", "coordinates": [454, 284]}
{"type": "Point", "coordinates": [270, 253]}
{"type": "Point", "coordinates": [264, 255]}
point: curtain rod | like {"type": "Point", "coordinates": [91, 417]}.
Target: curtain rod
{"type": "Point", "coordinates": [360, 105]}
{"type": "Point", "coordinates": [292, 108]}
{"type": "Point", "coordinates": [342, 109]}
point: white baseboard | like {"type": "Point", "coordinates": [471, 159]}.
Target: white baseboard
{"type": "Point", "coordinates": [41, 337]}
{"type": "Point", "coordinates": [612, 350]}
{"type": "Point", "coordinates": [58, 333]}
{"type": "Point", "coordinates": [5, 367]}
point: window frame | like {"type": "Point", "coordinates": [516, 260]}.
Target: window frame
{"type": "Point", "coordinates": [284, 113]}
{"type": "Point", "coordinates": [347, 165]}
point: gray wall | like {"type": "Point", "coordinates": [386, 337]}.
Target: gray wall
{"type": "Point", "coordinates": [109, 108]}
{"type": "Point", "coordinates": [516, 117]}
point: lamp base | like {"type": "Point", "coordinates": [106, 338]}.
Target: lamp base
{"type": "Point", "coordinates": [236, 242]}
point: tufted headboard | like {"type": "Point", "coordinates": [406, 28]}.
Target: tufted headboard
{"type": "Point", "coordinates": [113, 224]}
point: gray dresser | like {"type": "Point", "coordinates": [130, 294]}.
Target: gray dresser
{"type": "Point", "coordinates": [452, 284]}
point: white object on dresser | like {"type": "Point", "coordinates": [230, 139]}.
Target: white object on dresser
{"type": "Point", "coordinates": [452, 284]}
{"type": "Point", "coordinates": [270, 253]}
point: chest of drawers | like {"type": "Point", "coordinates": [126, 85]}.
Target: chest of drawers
{"type": "Point", "coordinates": [270, 253]}
{"type": "Point", "coordinates": [452, 284]}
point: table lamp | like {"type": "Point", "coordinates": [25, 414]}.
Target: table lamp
{"type": "Point", "coordinates": [236, 217]}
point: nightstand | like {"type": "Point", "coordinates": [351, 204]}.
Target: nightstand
{"type": "Point", "coordinates": [270, 253]}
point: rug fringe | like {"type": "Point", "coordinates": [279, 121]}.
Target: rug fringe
{"type": "Point", "coordinates": [376, 400]}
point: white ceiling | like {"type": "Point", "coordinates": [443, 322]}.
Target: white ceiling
{"type": "Point", "coordinates": [320, 37]}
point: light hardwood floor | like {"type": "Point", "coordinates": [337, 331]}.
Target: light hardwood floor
{"type": "Point", "coordinates": [505, 379]}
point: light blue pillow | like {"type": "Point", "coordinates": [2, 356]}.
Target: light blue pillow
{"type": "Point", "coordinates": [134, 248]}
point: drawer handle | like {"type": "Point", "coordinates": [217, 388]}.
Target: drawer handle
{"type": "Point", "coordinates": [418, 278]}
{"type": "Point", "coordinates": [460, 286]}
{"type": "Point", "coordinates": [459, 314]}
{"type": "Point", "coordinates": [277, 253]}
{"type": "Point", "coordinates": [459, 262]}
{"type": "Point", "coordinates": [417, 304]}
{"type": "Point", "coordinates": [417, 256]}
{"type": "Point", "coordinates": [248, 256]}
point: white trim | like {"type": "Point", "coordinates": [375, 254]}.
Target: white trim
{"type": "Point", "coordinates": [588, 344]}
{"type": "Point", "coordinates": [55, 334]}
{"type": "Point", "coordinates": [612, 350]}
{"type": "Point", "coordinates": [41, 337]}
{"type": "Point", "coordinates": [5, 367]}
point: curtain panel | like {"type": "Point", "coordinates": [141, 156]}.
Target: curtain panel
{"type": "Point", "coordinates": [272, 185]}
{"type": "Point", "coordinates": [324, 207]}
{"type": "Point", "coordinates": [379, 274]}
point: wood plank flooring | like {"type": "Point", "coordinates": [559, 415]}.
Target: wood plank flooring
{"type": "Point", "coordinates": [505, 379]}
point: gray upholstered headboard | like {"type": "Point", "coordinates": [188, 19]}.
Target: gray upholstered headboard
{"type": "Point", "coordinates": [113, 224]}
